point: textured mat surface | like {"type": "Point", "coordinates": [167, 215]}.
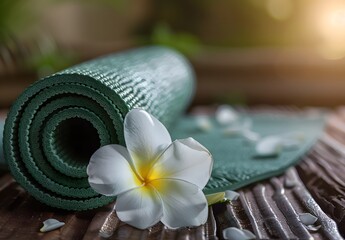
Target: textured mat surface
{"type": "Point", "coordinates": [235, 160]}
{"type": "Point", "coordinates": [57, 123]}
{"type": "Point", "coordinates": [2, 158]}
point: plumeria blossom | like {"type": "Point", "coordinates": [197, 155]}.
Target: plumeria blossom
{"type": "Point", "coordinates": [154, 178]}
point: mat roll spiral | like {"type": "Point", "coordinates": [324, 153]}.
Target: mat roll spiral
{"type": "Point", "coordinates": [58, 122]}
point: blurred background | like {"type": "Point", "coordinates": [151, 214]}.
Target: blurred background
{"type": "Point", "coordinates": [252, 52]}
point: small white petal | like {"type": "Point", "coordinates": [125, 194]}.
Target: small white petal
{"type": "Point", "coordinates": [269, 146]}
{"type": "Point", "coordinates": [51, 224]}
{"type": "Point", "coordinates": [184, 204]}
{"type": "Point", "coordinates": [288, 183]}
{"type": "Point", "coordinates": [249, 234]}
{"type": "Point", "coordinates": [185, 159]}
{"type": "Point", "coordinates": [247, 123]}
{"type": "Point", "coordinates": [231, 195]}
{"type": "Point", "coordinates": [290, 144]}
{"type": "Point", "coordinates": [234, 233]}
{"type": "Point", "coordinates": [233, 131]}
{"type": "Point", "coordinates": [203, 123]}
{"type": "Point", "coordinates": [251, 136]}
{"type": "Point", "coordinates": [146, 138]}
{"type": "Point", "coordinates": [313, 228]}
{"type": "Point", "coordinates": [226, 115]}
{"type": "Point", "coordinates": [140, 207]}
{"type": "Point", "coordinates": [307, 218]}
{"type": "Point", "coordinates": [110, 172]}
{"type": "Point", "coordinates": [300, 136]}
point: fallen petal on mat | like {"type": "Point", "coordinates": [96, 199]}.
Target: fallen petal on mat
{"type": "Point", "coordinates": [269, 146]}
{"type": "Point", "coordinates": [226, 115]}
{"type": "Point", "coordinates": [251, 136]}
{"type": "Point", "coordinates": [203, 123]}
{"type": "Point", "coordinates": [233, 131]}
{"type": "Point", "coordinates": [154, 179]}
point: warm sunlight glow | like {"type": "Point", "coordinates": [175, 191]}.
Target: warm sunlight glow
{"type": "Point", "coordinates": [329, 21]}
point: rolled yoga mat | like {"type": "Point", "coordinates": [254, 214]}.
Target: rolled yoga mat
{"type": "Point", "coordinates": [2, 159]}
{"type": "Point", "coordinates": [57, 123]}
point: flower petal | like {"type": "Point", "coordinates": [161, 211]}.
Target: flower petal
{"type": "Point", "coordinates": [184, 159]}
{"type": "Point", "coordinates": [110, 172]}
{"type": "Point", "coordinates": [251, 136]}
{"type": "Point", "coordinates": [231, 195]}
{"type": "Point", "coordinates": [269, 146]}
{"type": "Point", "coordinates": [51, 224]}
{"type": "Point", "coordinates": [184, 204]}
{"type": "Point", "coordinates": [237, 234]}
{"type": "Point", "coordinates": [203, 123]}
{"type": "Point", "coordinates": [233, 131]}
{"type": "Point", "coordinates": [313, 228]}
{"type": "Point", "coordinates": [226, 115]}
{"type": "Point", "coordinates": [146, 138]}
{"type": "Point", "coordinates": [289, 183]}
{"type": "Point", "coordinates": [307, 218]}
{"type": "Point", "coordinates": [141, 207]}
{"type": "Point", "coordinates": [291, 144]}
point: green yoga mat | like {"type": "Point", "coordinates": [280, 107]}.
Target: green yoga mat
{"type": "Point", "coordinates": [57, 123]}
{"type": "Point", "coordinates": [235, 160]}
{"type": "Point", "coordinates": [2, 158]}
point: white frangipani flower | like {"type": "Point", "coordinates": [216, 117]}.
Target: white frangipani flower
{"type": "Point", "coordinates": [154, 178]}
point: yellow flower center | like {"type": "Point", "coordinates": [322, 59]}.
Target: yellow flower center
{"type": "Point", "coordinates": [150, 181]}
{"type": "Point", "coordinates": [147, 174]}
{"type": "Point", "coordinates": [150, 174]}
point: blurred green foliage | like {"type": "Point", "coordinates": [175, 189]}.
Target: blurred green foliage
{"type": "Point", "coordinates": [14, 17]}
{"type": "Point", "coordinates": [184, 42]}
{"type": "Point", "coordinates": [47, 63]}
{"type": "Point", "coordinates": [234, 23]}
{"type": "Point", "coordinates": [117, 4]}
{"type": "Point", "coordinates": [186, 25]}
